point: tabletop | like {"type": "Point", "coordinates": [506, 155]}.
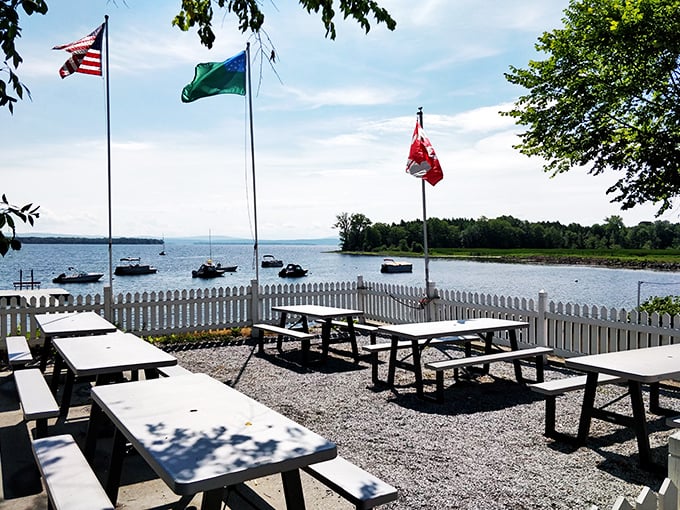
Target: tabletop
{"type": "Point", "coordinates": [110, 353]}
{"type": "Point", "coordinates": [73, 323]}
{"type": "Point", "coordinates": [321, 312]}
{"type": "Point", "coordinates": [646, 365]}
{"type": "Point", "coordinates": [434, 329]}
{"type": "Point", "coordinates": [199, 434]}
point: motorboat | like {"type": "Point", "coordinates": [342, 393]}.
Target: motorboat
{"type": "Point", "coordinates": [76, 276]}
{"type": "Point", "coordinates": [271, 261]}
{"type": "Point", "coordinates": [211, 270]}
{"type": "Point", "coordinates": [292, 271]}
{"type": "Point", "coordinates": [133, 267]}
{"type": "Point", "coordinates": [392, 266]}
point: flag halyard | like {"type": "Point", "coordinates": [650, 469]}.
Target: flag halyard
{"type": "Point", "coordinates": [86, 54]}
{"type": "Point", "coordinates": [422, 160]}
{"type": "Point", "coordinates": [212, 78]}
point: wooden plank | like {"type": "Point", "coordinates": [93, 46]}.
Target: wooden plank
{"type": "Point", "coordinates": [487, 358]}
{"type": "Point", "coordinates": [578, 382]}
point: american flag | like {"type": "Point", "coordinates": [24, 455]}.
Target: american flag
{"type": "Point", "coordinates": [86, 55]}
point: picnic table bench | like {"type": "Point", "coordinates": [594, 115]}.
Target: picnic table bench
{"type": "Point", "coordinates": [537, 353]}
{"type": "Point", "coordinates": [282, 332]}
{"type": "Point", "coordinates": [37, 401]}
{"type": "Point", "coordinates": [18, 351]}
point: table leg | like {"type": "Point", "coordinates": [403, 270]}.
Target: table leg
{"type": "Point", "coordinates": [640, 422]}
{"type": "Point", "coordinates": [325, 335]}
{"type": "Point", "coordinates": [393, 361]}
{"type": "Point", "coordinates": [68, 390]}
{"type": "Point", "coordinates": [212, 500]}
{"type": "Point", "coordinates": [292, 490]}
{"type": "Point", "coordinates": [515, 346]}
{"type": "Point", "coordinates": [417, 369]}
{"type": "Point", "coordinates": [488, 345]}
{"type": "Point", "coordinates": [587, 407]}
{"type": "Point", "coordinates": [353, 338]}
{"type": "Point", "coordinates": [93, 426]}
{"type": "Point", "coordinates": [279, 338]}
{"type": "Point", "coordinates": [46, 348]}
{"type": "Point", "coordinates": [56, 373]}
{"type": "Point", "coordinates": [115, 466]}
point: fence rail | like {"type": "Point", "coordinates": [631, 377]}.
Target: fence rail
{"type": "Point", "coordinates": [570, 329]}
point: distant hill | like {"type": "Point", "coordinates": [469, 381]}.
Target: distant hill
{"type": "Point", "coordinates": [60, 239]}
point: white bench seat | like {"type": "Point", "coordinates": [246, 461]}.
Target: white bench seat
{"type": "Point", "coordinates": [555, 388]}
{"type": "Point", "coordinates": [364, 329]}
{"type": "Point", "coordinates": [173, 370]}
{"type": "Point", "coordinates": [18, 352]}
{"type": "Point", "coordinates": [37, 401]}
{"type": "Point", "coordinates": [484, 359]}
{"type": "Point", "coordinates": [374, 349]}
{"type": "Point", "coordinates": [305, 338]}
{"type": "Point", "coordinates": [354, 484]}
{"type": "Point", "coordinates": [69, 480]}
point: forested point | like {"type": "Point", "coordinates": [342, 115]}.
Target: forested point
{"type": "Point", "coordinates": [87, 240]}
{"type": "Point", "coordinates": [358, 233]}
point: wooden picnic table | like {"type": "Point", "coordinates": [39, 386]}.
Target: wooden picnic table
{"type": "Point", "coordinates": [649, 365]}
{"type": "Point", "coordinates": [200, 435]}
{"type": "Point", "coordinates": [69, 324]}
{"type": "Point", "coordinates": [484, 328]}
{"type": "Point", "coordinates": [103, 356]}
{"type": "Point", "coordinates": [326, 315]}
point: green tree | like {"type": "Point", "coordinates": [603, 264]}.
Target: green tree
{"type": "Point", "coordinates": [193, 13]}
{"type": "Point", "coordinates": [8, 213]}
{"type": "Point", "coordinates": [606, 97]}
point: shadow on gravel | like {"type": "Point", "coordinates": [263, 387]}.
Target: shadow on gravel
{"type": "Point", "coordinates": [469, 397]}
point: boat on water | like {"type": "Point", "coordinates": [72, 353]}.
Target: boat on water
{"type": "Point", "coordinates": [292, 271]}
{"type": "Point", "coordinates": [210, 270]}
{"type": "Point", "coordinates": [76, 276]}
{"type": "Point", "coordinates": [133, 267]}
{"type": "Point", "coordinates": [271, 261]}
{"type": "Point", "coordinates": [392, 266]}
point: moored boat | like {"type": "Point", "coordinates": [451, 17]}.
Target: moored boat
{"type": "Point", "coordinates": [133, 267]}
{"type": "Point", "coordinates": [76, 276]}
{"type": "Point", "coordinates": [292, 271]}
{"type": "Point", "coordinates": [210, 270]}
{"type": "Point", "coordinates": [271, 261]}
{"type": "Point", "coordinates": [392, 266]}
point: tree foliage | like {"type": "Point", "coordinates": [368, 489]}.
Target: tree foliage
{"type": "Point", "coordinates": [358, 233]}
{"type": "Point", "coordinates": [193, 13]}
{"type": "Point", "coordinates": [8, 213]}
{"type": "Point", "coordinates": [607, 97]}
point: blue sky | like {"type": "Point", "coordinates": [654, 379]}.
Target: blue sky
{"type": "Point", "coordinates": [332, 130]}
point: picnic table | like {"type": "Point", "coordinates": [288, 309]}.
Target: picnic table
{"type": "Point", "coordinates": [326, 315]}
{"type": "Point", "coordinates": [649, 365]}
{"type": "Point", "coordinates": [69, 324]}
{"type": "Point", "coordinates": [200, 435]}
{"type": "Point", "coordinates": [422, 334]}
{"type": "Point", "coordinates": [103, 356]}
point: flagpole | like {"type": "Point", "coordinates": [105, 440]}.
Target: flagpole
{"type": "Point", "coordinates": [425, 245]}
{"type": "Point", "coordinates": [252, 156]}
{"type": "Point", "coordinates": [108, 147]}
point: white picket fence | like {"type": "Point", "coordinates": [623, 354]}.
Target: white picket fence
{"type": "Point", "coordinates": [667, 497]}
{"type": "Point", "coordinates": [570, 329]}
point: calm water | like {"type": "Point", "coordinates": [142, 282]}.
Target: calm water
{"type": "Point", "coordinates": [574, 284]}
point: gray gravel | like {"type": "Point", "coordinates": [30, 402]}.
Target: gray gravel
{"type": "Point", "coordinates": [482, 449]}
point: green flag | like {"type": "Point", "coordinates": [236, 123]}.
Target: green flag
{"type": "Point", "coordinates": [212, 78]}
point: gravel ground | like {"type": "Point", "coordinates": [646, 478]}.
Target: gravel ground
{"type": "Point", "coordinates": [482, 449]}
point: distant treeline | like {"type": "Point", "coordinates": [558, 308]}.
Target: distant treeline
{"type": "Point", "coordinates": [358, 233]}
{"type": "Point", "coordinates": [88, 240]}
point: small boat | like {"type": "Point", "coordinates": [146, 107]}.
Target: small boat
{"type": "Point", "coordinates": [133, 267]}
{"type": "Point", "coordinates": [292, 271]}
{"type": "Point", "coordinates": [210, 270]}
{"type": "Point", "coordinates": [76, 276]}
{"type": "Point", "coordinates": [392, 266]}
{"type": "Point", "coordinates": [271, 261]}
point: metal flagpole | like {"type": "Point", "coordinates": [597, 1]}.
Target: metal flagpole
{"type": "Point", "coordinates": [425, 246]}
{"type": "Point", "coordinates": [108, 147]}
{"type": "Point", "coordinates": [252, 156]}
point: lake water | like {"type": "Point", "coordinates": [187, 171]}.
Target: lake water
{"type": "Point", "coordinates": [574, 284]}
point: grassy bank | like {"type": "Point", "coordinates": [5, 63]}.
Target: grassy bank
{"type": "Point", "coordinates": [661, 260]}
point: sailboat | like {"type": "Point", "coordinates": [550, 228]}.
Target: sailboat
{"type": "Point", "coordinates": [162, 252]}
{"type": "Point", "coordinates": [209, 269]}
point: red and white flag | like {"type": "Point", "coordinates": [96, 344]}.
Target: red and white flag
{"type": "Point", "coordinates": [86, 55]}
{"type": "Point", "coordinates": [422, 160]}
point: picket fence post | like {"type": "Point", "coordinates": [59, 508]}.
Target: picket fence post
{"type": "Point", "coordinates": [254, 302]}
{"type": "Point", "coordinates": [541, 320]}
{"type": "Point", "coordinates": [108, 303]}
